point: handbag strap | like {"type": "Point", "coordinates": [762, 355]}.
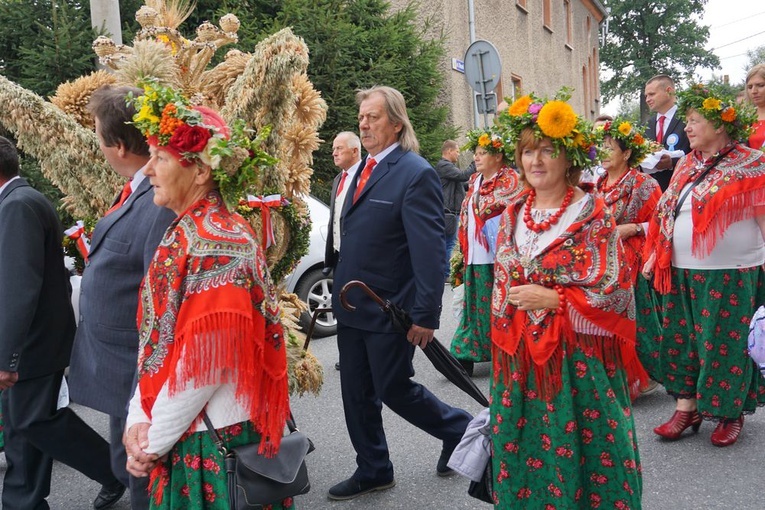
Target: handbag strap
{"type": "Point", "coordinates": [219, 440]}
{"type": "Point", "coordinates": [699, 179]}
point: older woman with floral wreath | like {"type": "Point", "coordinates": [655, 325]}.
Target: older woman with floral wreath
{"type": "Point", "coordinates": [705, 252]}
{"type": "Point", "coordinates": [755, 91]}
{"type": "Point", "coordinates": [632, 196]}
{"type": "Point", "coordinates": [490, 190]}
{"type": "Point", "coordinates": [208, 319]}
{"type": "Point", "coordinates": [563, 329]}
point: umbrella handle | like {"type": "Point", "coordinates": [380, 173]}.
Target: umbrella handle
{"type": "Point", "coordinates": [363, 286]}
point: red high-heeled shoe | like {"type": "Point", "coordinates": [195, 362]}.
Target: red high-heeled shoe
{"type": "Point", "coordinates": [727, 431]}
{"type": "Point", "coordinates": [680, 421]}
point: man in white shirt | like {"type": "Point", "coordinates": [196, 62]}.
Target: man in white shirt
{"type": "Point", "coordinates": [664, 126]}
{"type": "Point", "coordinates": [103, 365]}
{"type": "Point", "coordinates": [346, 152]}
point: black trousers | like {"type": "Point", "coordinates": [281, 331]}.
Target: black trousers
{"type": "Point", "coordinates": [376, 370]}
{"type": "Point", "coordinates": [36, 434]}
{"type": "Point", "coordinates": [139, 487]}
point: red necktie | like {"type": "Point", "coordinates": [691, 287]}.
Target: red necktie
{"type": "Point", "coordinates": [342, 183]}
{"type": "Point", "coordinates": [660, 131]}
{"type": "Point", "coordinates": [126, 191]}
{"type": "Point", "coordinates": [364, 178]}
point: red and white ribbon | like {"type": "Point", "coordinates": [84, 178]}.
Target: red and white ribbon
{"type": "Point", "coordinates": [77, 233]}
{"type": "Point", "coordinates": [265, 204]}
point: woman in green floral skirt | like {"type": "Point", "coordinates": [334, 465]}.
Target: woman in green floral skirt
{"type": "Point", "coordinates": [705, 252]}
{"type": "Point", "coordinates": [210, 334]}
{"type": "Point", "coordinates": [490, 190]}
{"type": "Point", "coordinates": [563, 330]}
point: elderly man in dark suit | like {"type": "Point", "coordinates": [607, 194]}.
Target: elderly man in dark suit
{"type": "Point", "coordinates": [664, 126]}
{"type": "Point", "coordinates": [105, 352]}
{"type": "Point", "coordinates": [392, 232]}
{"type": "Point", "coordinates": [36, 332]}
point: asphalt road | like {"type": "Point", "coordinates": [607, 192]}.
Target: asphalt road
{"type": "Point", "coordinates": [689, 474]}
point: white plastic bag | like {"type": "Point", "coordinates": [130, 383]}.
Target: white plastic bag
{"type": "Point", "coordinates": [756, 340]}
{"type": "Point", "coordinates": [458, 300]}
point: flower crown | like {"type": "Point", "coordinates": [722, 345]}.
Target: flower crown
{"type": "Point", "coordinates": [489, 140]}
{"type": "Point", "coordinates": [718, 108]}
{"type": "Point", "coordinates": [197, 134]}
{"type": "Point", "coordinates": [632, 138]}
{"type": "Point", "coordinates": [554, 119]}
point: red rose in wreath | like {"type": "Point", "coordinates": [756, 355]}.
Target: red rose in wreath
{"type": "Point", "coordinates": [189, 139]}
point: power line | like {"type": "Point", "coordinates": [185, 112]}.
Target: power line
{"type": "Point", "coordinates": [734, 42]}
{"type": "Point", "coordinates": [736, 21]}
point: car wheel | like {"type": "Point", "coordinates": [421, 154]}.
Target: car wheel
{"type": "Point", "coordinates": [315, 289]}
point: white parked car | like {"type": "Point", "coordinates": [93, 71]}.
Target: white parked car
{"type": "Point", "coordinates": [308, 281]}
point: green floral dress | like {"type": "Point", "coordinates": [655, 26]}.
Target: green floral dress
{"type": "Point", "coordinates": [485, 200]}
{"type": "Point", "coordinates": [577, 451]}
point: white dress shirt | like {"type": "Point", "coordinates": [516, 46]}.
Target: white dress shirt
{"type": "Point", "coordinates": [339, 201]}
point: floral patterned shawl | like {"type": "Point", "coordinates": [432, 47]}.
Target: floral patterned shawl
{"type": "Point", "coordinates": [733, 191]}
{"type": "Point", "coordinates": [631, 200]}
{"type": "Point", "coordinates": [489, 201]}
{"type": "Point", "coordinates": [586, 261]}
{"type": "Point", "coordinates": [207, 296]}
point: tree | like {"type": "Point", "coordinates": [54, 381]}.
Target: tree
{"type": "Point", "coordinates": [648, 37]}
{"type": "Point", "coordinates": [755, 56]}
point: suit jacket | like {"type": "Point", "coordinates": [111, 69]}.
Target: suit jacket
{"type": "Point", "coordinates": [105, 352]}
{"type": "Point", "coordinates": [453, 183]}
{"type": "Point", "coordinates": [677, 127]}
{"type": "Point", "coordinates": [393, 240]}
{"type": "Point", "coordinates": [36, 318]}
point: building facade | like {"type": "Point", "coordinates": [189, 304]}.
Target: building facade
{"type": "Point", "coordinates": [543, 45]}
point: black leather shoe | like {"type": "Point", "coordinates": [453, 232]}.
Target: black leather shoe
{"type": "Point", "coordinates": [350, 488]}
{"type": "Point", "coordinates": [108, 496]}
{"type": "Point", "coordinates": [441, 468]}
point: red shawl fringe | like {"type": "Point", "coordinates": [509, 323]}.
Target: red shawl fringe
{"type": "Point", "coordinates": [612, 352]}
{"type": "Point", "coordinates": [736, 207]}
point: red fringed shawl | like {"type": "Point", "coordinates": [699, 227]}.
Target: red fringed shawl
{"type": "Point", "coordinates": [586, 260]}
{"type": "Point", "coordinates": [733, 191]}
{"type": "Point", "coordinates": [207, 296]}
{"type": "Point", "coordinates": [491, 199]}
{"type": "Point", "coordinates": [631, 200]}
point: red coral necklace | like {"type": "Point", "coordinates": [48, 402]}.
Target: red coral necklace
{"type": "Point", "coordinates": [552, 220]}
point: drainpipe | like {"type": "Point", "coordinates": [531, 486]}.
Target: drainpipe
{"type": "Point", "coordinates": [471, 28]}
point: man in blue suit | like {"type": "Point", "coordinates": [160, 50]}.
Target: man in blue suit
{"type": "Point", "coordinates": [392, 230]}
{"type": "Point", "coordinates": [105, 352]}
{"type": "Point", "coordinates": [36, 332]}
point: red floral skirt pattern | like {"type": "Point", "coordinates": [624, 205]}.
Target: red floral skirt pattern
{"type": "Point", "coordinates": [577, 451]}
{"type": "Point", "coordinates": [194, 476]}
{"type": "Point", "coordinates": [704, 347]}
{"type": "Point", "coordinates": [649, 306]}
{"type": "Point", "coordinates": [472, 339]}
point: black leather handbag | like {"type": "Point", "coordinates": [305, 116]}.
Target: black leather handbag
{"type": "Point", "coordinates": [255, 480]}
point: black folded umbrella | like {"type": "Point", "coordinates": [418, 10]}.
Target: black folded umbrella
{"type": "Point", "coordinates": [438, 355]}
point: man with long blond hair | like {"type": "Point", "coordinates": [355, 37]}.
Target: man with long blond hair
{"type": "Point", "coordinates": [392, 239]}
